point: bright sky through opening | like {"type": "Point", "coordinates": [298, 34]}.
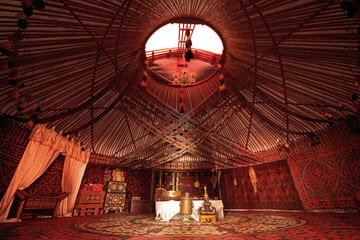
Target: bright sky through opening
{"type": "Point", "coordinates": [203, 38]}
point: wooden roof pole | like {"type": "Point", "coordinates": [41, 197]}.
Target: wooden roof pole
{"type": "Point", "coordinates": [253, 37]}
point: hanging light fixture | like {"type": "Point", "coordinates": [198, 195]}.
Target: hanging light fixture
{"type": "Point", "coordinates": [188, 43]}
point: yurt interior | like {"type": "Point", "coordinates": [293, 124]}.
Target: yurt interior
{"type": "Point", "coordinates": [180, 119]}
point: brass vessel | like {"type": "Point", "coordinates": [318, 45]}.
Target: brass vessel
{"type": "Point", "coordinates": [172, 195]}
{"type": "Point", "coordinates": [186, 205]}
{"type": "Point", "coordinates": [160, 194]}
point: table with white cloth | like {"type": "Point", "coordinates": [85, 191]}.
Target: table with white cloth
{"type": "Point", "coordinates": [165, 210]}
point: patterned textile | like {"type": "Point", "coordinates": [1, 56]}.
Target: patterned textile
{"type": "Point", "coordinates": [13, 140]}
{"type": "Point", "coordinates": [138, 184]}
{"type": "Point", "coordinates": [240, 225]}
{"type": "Point", "coordinates": [275, 188]}
{"type": "Point", "coordinates": [49, 184]}
{"type": "Point", "coordinates": [94, 174]}
{"type": "Point", "coordinates": [328, 177]}
{"type": "Point", "coordinates": [232, 225]}
{"type": "Point", "coordinates": [10, 156]}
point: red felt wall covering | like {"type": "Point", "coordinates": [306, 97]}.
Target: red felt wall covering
{"type": "Point", "coordinates": [328, 178]}
{"type": "Point", "coordinates": [49, 184]}
{"type": "Point", "coordinates": [94, 174]}
{"type": "Point", "coordinates": [275, 188]}
{"type": "Point", "coordinates": [13, 140]}
{"type": "Point", "coordinates": [138, 184]}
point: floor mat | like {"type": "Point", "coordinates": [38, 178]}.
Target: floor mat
{"type": "Point", "coordinates": [236, 225]}
{"type": "Point", "coordinates": [233, 224]}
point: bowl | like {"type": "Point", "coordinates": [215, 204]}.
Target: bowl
{"type": "Point", "coordinates": [172, 195]}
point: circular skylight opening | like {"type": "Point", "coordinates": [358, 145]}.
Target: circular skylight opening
{"type": "Point", "coordinates": [168, 36]}
{"type": "Point", "coordinates": [183, 54]}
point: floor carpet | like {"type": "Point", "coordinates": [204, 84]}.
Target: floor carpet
{"type": "Point", "coordinates": [236, 225]}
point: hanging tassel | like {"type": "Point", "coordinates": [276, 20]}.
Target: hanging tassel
{"type": "Point", "coordinates": [182, 108]}
{"type": "Point", "coordinates": [189, 55]}
{"type": "Point", "coordinates": [197, 183]}
{"type": "Point", "coordinates": [30, 124]}
{"type": "Point", "coordinates": [253, 179]}
{"type": "Point", "coordinates": [234, 179]}
{"type": "Point", "coordinates": [143, 81]}
{"type": "Point", "coordinates": [221, 77]}
{"type": "Point", "coordinates": [28, 11]}
{"type": "Point", "coordinates": [235, 182]}
{"type": "Point", "coordinates": [22, 21]}
{"type": "Point", "coordinates": [222, 85]}
{"type": "Point", "coordinates": [38, 109]}
{"type": "Point", "coordinates": [39, 4]}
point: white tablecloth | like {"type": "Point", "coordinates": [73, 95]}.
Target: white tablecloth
{"type": "Point", "coordinates": [165, 210]}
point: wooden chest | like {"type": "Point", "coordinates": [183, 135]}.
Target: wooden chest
{"type": "Point", "coordinates": [89, 203]}
{"type": "Point", "coordinates": [208, 218]}
{"type": "Point", "coordinates": [115, 196]}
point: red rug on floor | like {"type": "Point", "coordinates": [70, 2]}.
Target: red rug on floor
{"type": "Point", "coordinates": [236, 225]}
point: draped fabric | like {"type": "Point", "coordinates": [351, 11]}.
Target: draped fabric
{"type": "Point", "coordinates": [40, 152]}
{"type": "Point", "coordinates": [43, 148]}
{"type": "Point", "coordinates": [73, 172]}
